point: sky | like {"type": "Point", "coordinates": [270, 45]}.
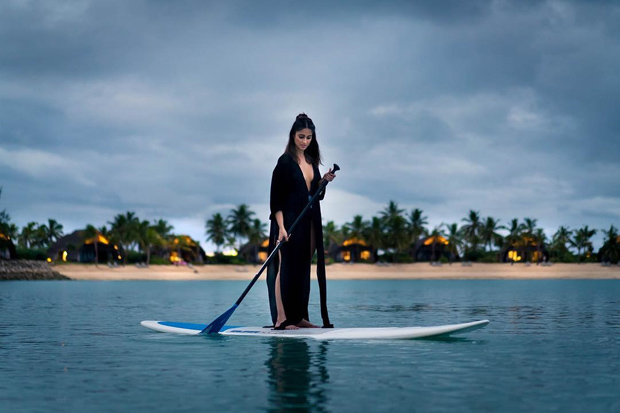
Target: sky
{"type": "Point", "coordinates": [180, 110]}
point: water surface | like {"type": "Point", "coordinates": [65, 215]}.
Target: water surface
{"type": "Point", "coordinates": [552, 345]}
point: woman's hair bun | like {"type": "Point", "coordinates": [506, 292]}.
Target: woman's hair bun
{"type": "Point", "coordinates": [302, 116]}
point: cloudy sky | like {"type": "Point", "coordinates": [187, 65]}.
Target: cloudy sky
{"type": "Point", "coordinates": [179, 110]}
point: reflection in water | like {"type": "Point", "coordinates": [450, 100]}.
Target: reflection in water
{"type": "Point", "coordinates": [297, 375]}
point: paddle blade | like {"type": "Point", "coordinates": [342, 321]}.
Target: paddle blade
{"type": "Point", "coordinates": [217, 324]}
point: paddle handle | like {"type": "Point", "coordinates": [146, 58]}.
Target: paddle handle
{"type": "Point", "coordinates": [279, 244]}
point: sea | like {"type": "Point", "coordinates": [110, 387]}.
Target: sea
{"type": "Point", "coordinates": [78, 346]}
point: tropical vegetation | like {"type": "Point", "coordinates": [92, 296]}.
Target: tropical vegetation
{"type": "Point", "coordinates": [391, 235]}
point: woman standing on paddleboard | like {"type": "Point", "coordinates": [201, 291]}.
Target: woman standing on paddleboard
{"type": "Point", "coordinates": [295, 179]}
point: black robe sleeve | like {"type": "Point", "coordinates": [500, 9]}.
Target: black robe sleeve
{"type": "Point", "coordinates": [279, 187]}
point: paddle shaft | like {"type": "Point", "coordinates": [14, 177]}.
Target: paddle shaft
{"type": "Point", "coordinates": [280, 243]}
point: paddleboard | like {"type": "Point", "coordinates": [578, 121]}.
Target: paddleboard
{"type": "Point", "coordinates": [379, 333]}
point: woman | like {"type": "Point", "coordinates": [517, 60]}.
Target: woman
{"type": "Point", "coordinates": [295, 179]}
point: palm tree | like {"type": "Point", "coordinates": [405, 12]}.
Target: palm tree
{"type": "Point", "coordinates": [12, 231]}
{"type": "Point", "coordinates": [398, 234]}
{"type": "Point", "coordinates": [125, 229]}
{"type": "Point", "coordinates": [53, 231]}
{"type": "Point", "coordinates": [514, 237]}
{"type": "Point", "coordinates": [396, 227]}
{"type": "Point", "coordinates": [541, 239]}
{"type": "Point", "coordinates": [26, 238]}
{"type": "Point", "coordinates": [489, 234]}
{"type": "Point", "coordinates": [528, 235]}
{"type": "Point", "coordinates": [217, 231]}
{"type": "Point", "coordinates": [417, 224]}
{"type": "Point", "coordinates": [239, 221]}
{"type": "Point", "coordinates": [332, 235]}
{"type": "Point", "coordinates": [40, 236]}
{"type": "Point", "coordinates": [258, 232]}
{"type": "Point", "coordinates": [453, 236]}
{"type": "Point", "coordinates": [148, 236]}
{"type": "Point", "coordinates": [391, 213]}
{"type": "Point", "coordinates": [163, 228]}
{"type": "Point", "coordinates": [375, 236]}
{"type": "Point", "coordinates": [560, 239]}
{"type": "Point", "coordinates": [92, 232]}
{"type": "Point", "coordinates": [471, 230]}
{"type": "Point", "coordinates": [610, 252]}
{"type": "Point", "coordinates": [581, 240]}
{"type": "Point", "coordinates": [357, 228]}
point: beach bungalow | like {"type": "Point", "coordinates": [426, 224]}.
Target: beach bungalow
{"type": "Point", "coordinates": [253, 253]}
{"type": "Point", "coordinates": [433, 249]}
{"type": "Point", "coordinates": [7, 248]}
{"type": "Point", "coordinates": [353, 250]}
{"type": "Point", "coordinates": [77, 247]}
{"type": "Point", "coordinates": [525, 250]}
{"type": "Point", "coordinates": [183, 249]}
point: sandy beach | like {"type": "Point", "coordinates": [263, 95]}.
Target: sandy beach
{"type": "Point", "coordinates": [347, 272]}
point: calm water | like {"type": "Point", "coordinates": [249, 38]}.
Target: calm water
{"type": "Point", "coordinates": [79, 346]}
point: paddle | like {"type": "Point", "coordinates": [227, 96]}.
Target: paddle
{"type": "Point", "coordinates": [217, 324]}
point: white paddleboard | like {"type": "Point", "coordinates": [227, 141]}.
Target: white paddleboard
{"type": "Point", "coordinates": [380, 333]}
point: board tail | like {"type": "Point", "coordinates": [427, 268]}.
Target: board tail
{"type": "Point", "coordinates": [217, 324]}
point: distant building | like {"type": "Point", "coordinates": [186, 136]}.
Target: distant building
{"type": "Point", "coordinates": [253, 253]}
{"type": "Point", "coordinates": [433, 249]}
{"type": "Point", "coordinates": [76, 247]}
{"type": "Point", "coordinates": [7, 248]}
{"type": "Point", "coordinates": [183, 249]}
{"type": "Point", "coordinates": [525, 250]}
{"type": "Point", "coordinates": [352, 250]}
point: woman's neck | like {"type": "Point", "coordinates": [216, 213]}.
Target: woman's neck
{"type": "Point", "coordinates": [301, 157]}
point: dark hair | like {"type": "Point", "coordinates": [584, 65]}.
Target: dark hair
{"type": "Point", "coordinates": [312, 152]}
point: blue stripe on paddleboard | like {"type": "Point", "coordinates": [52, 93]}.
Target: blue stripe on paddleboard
{"type": "Point", "coordinates": [191, 326]}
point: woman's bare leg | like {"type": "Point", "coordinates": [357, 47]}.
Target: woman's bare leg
{"type": "Point", "coordinates": [279, 306]}
{"type": "Point", "coordinates": [305, 323]}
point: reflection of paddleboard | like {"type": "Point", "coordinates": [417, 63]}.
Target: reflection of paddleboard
{"type": "Point", "coordinates": [380, 333]}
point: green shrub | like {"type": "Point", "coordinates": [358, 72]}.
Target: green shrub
{"type": "Point", "coordinates": [135, 257]}
{"type": "Point", "coordinates": [159, 261]}
{"type": "Point", "coordinates": [38, 254]}
{"type": "Point", "coordinates": [488, 257]}
{"type": "Point", "coordinates": [474, 255]}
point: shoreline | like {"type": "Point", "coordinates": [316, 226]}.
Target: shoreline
{"type": "Point", "coordinates": [417, 271]}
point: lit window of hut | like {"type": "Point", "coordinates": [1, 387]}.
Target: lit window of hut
{"type": "Point", "coordinates": [434, 248]}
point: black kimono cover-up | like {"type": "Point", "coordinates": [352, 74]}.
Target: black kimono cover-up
{"type": "Point", "coordinates": [289, 194]}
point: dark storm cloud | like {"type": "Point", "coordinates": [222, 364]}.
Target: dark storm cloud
{"type": "Point", "coordinates": [179, 109]}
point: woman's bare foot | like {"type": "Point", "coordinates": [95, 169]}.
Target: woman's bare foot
{"type": "Point", "coordinates": [306, 324]}
{"type": "Point", "coordinates": [286, 327]}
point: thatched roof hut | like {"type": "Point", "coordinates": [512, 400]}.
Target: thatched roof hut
{"type": "Point", "coordinates": [433, 248]}
{"type": "Point", "coordinates": [525, 250]}
{"type": "Point", "coordinates": [186, 249]}
{"type": "Point", "coordinates": [254, 253]}
{"type": "Point", "coordinates": [352, 250]}
{"type": "Point", "coordinates": [77, 247]}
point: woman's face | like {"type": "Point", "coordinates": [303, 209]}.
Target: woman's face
{"type": "Point", "coordinates": [303, 139]}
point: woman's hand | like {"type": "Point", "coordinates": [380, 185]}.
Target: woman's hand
{"type": "Point", "coordinates": [282, 235]}
{"type": "Point", "coordinates": [329, 176]}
